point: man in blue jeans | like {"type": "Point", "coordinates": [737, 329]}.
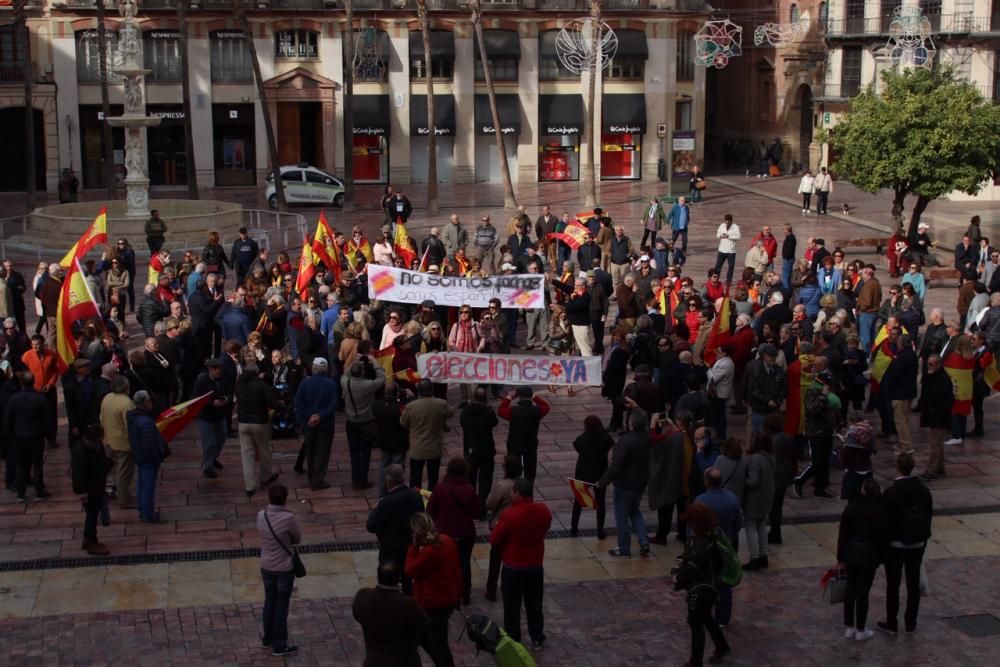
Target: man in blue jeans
{"type": "Point", "coordinates": [787, 258]}
{"type": "Point", "coordinates": [279, 532]}
{"type": "Point", "coordinates": [727, 510]}
{"type": "Point", "coordinates": [212, 418]}
{"type": "Point", "coordinates": [148, 451]}
{"type": "Point", "coordinates": [680, 219]}
{"type": "Point", "coordinates": [629, 471]}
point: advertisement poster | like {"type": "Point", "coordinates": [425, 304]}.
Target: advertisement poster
{"type": "Point", "coordinates": [682, 153]}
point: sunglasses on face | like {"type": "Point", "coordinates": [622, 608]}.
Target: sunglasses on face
{"type": "Point", "coordinates": [465, 312]}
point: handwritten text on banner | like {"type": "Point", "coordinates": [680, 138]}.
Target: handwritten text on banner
{"type": "Point", "coordinates": [389, 283]}
{"type": "Point", "coordinates": [510, 369]}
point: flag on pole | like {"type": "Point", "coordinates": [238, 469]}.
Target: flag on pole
{"type": "Point", "coordinates": [583, 493]}
{"type": "Point", "coordinates": [173, 420]}
{"type": "Point", "coordinates": [96, 234]}
{"type": "Point", "coordinates": [959, 369]}
{"type": "Point", "coordinates": [307, 268]}
{"type": "Point", "coordinates": [424, 265]}
{"type": "Point", "coordinates": [76, 304]}
{"type": "Point", "coordinates": [574, 234]}
{"type": "Point", "coordinates": [720, 332]}
{"type": "Point", "coordinates": [403, 245]}
{"type": "Point", "coordinates": [324, 247]}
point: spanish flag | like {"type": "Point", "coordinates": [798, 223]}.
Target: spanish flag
{"type": "Point", "coordinates": [324, 247]}
{"type": "Point", "coordinates": [720, 331]}
{"type": "Point", "coordinates": [362, 247]}
{"type": "Point", "coordinates": [173, 420]}
{"type": "Point", "coordinates": [880, 363]}
{"type": "Point", "coordinates": [583, 493]}
{"type": "Point", "coordinates": [95, 235]}
{"type": "Point", "coordinates": [307, 268]}
{"type": "Point", "coordinates": [403, 245]}
{"type": "Point", "coordinates": [959, 369]}
{"type": "Point", "coordinates": [76, 304]}
{"type": "Point", "coordinates": [384, 359]}
{"type": "Point", "coordinates": [574, 234]}
{"type": "Point", "coordinates": [991, 371]}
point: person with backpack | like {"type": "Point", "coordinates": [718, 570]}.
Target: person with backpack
{"type": "Point", "coordinates": [728, 513]}
{"type": "Point", "coordinates": [698, 573]}
{"type": "Point", "coordinates": [909, 507]}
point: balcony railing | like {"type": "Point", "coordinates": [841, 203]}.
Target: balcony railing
{"type": "Point", "coordinates": [843, 90]}
{"type": "Point", "coordinates": [941, 24]}
{"type": "Point", "coordinates": [11, 72]}
{"type": "Point", "coordinates": [297, 4]}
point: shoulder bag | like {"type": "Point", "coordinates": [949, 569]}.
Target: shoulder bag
{"type": "Point", "coordinates": [297, 566]}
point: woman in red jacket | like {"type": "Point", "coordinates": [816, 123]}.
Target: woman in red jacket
{"type": "Point", "coordinates": [432, 564]}
{"type": "Point", "coordinates": [454, 506]}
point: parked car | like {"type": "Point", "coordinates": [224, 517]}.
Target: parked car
{"type": "Point", "coordinates": [305, 184]}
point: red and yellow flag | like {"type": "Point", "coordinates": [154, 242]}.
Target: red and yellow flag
{"type": "Point", "coordinates": [959, 369]}
{"type": "Point", "coordinates": [324, 247]}
{"type": "Point", "coordinates": [173, 420]}
{"type": "Point", "coordinates": [720, 331]}
{"type": "Point", "coordinates": [96, 234]}
{"type": "Point", "coordinates": [362, 247]}
{"type": "Point", "coordinates": [574, 234]}
{"type": "Point", "coordinates": [307, 268]}
{"type": "Point", "coordinates": [880, 363]}
{"type": "Point", "coordinates": [991, 371]}
{"type": "Point", "coordinates": [583, 493]}
{"type": "Point", "coordinates": [384, 359]}
{"type": "Point", "coordinates": [76, 304]}
{"type": "Point", "coordinates": [403, 245]}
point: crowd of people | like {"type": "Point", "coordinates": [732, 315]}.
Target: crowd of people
{"type": "Point", "coordinates": [724, 393]}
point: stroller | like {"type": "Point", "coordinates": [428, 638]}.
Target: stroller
{"type": "Point", "coordinates": [283, 417]}
{"type": "Point", "coordinates": [490, 637]}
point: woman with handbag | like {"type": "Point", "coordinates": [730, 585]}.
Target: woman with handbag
{"type": "Point", "coordinates": [214, 256]}
{"type": "Point", "coordinates": [861, 547]}
{"type": "Point", "coordinates": [279, 567]}
{"type": "Point", "coordinates": [118, 281]}
{"type": "Point", "coordinates": [697, 184]}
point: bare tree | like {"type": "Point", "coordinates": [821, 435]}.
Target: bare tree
{"type": "Point", "coordinates": [348, 104]}
{"type": "Point", "coordinates": [108, 163]}
{"type": "Point", "coordinates": [432, 184]}
{"type": "Point", "coordinates": [27, 73]}
{"type": "Point", "coordinates": [509, 201]}
{"type": "Point", "coordinates": [192, 173]}
{"type": "Point", "coordinates": [590, 172]}
{"type": "Point", "coordinates": [272, 145]}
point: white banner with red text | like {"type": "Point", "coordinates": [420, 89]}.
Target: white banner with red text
{"type": "Point", "coordinates": [511, 369]}
{"type": "Point", "coordinates": [389, 283]}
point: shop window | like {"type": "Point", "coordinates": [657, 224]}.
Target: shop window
{"type": "Point", "coordinates": [501, 70]}
{"type": "Point", "coordinates": [88, 57]}
{"type": "Point", "coordinates": [631, 69]}
{"type": "Point", "coordinates": [296, 44]}
{"type": "Point", "coordinates": [685, 56]}
{"type": "Point", "coordinates": [440, 69]}
{"type": "Point", "coordinates": [230, 57]}
{"type": "Point", "coordinates": [161, 55]}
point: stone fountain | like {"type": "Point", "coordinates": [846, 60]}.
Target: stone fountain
{"type": "Point", "coordinates": [134, 120]}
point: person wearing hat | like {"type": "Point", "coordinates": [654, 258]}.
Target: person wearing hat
{"type": "Point", "coordinates": [920, 246]}
{"type": "Point", "coordinates": [212, 418]}
{"type": "Point", "coordinates": [149, 449]}
{"type": "Point", "coordinates": [765, 386]}
{"type": "Point", "coordinates": [156, 232]}
{"type": "Point", "coordinates": [316, 403]}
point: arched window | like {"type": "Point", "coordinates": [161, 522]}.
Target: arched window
{"type": "Point", "coordinates": [685, 55]}
{"type": "Point", "coordinates": [793, 14]}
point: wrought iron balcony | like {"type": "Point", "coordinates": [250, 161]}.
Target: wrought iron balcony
{"type": "Point", "coordinates": [942, 25]}
{"type": "Point", "coordinates": [11, 72]}
{"type": "Point", "coordinates": [837, 92]}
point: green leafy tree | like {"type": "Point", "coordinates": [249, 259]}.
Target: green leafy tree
{"type": "Point", "coordinates": [926, 134]}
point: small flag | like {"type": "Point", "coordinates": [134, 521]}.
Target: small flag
{"type": "Point", "coordinates": [173, 420]}
{"type": "Point", "coordinates": [325, 248]}
{"type": "Point", "coordinates": [583, 493]}
{"type": "Point", "coordinates": [385, 357]}
{"type": "Point", "coordinates": [959, 369]}
{"type": "Point", "coordinates": [574, 234]}
{"type": "Point", "coordinates": [76, 304]}
{"type": "Point", "coordinates": [403, 245]}
{"type": "Point", "coordinates": [720, 332]}
{"type": "Point", "coordinates": [991, 371]}
{"type": "Point", "coordinates": [95, 235]}
{"type": "Point", "coordinates": [424, 265]}
{"type": "Point", "coordinates": [307, 268]}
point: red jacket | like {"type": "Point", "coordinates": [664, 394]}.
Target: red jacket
{"type": "Point", "coordinates": [770, 245]}
{"type": "Point", "coordinates": [454, 506]}
{"type": "Point", "coordinates": [436, 574]}
{"type": "Point", "coordinates": [520, 533]}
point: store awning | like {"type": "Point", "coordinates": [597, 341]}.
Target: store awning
{"type": "Point", "coordinates": [509, 108]}
{"type": "Point", "coordinates": [560, 114]}
{"type": "Point", "coordinates": [631, 45]}
{"type": "Point", "coordinates": [500, 44]}
{"type": "Point", "coordinates": [623, 114]}
{"type": "Point", "coordinates": [371, 115]}
{"type": "Point", "coordinates": [444, 115]}
{"type": "Point", "coordinates": [442, 45]}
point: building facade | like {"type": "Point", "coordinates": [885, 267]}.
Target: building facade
{"type": "Point", "coordinates": [650, 91]}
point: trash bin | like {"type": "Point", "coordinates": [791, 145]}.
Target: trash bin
{"type": "Point", "coordinates": [661, 169]}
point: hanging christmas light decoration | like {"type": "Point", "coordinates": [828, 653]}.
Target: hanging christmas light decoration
{"type": "Point", "coordinates": [782, 34]}
{"type": "Point", "coordinates": [717, 42]}
{"type": "Point", "coordinates": [910, 40]}
{"type": "Point", "coordinates": [575, 45]}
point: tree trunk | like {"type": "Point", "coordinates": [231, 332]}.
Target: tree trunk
{"type": "Point", "coordinates": [27, 73]}
{"type": "Point", "coordinates": [108, 166]}
{"type": "Point", "coordinates": [918, 210]}
{"type": "Point", "coordinates": [589, 131]}
{"type": "Point", "coordinates": [509, 200]}
{"type": "Point", "coordinates": [348, 40]}
{"type": "Point", "coordinates": [192, 173]}
{"type": "Point", "coordinates": [432, 184]}
{"type": "Point", "coordinates": [272, 145]}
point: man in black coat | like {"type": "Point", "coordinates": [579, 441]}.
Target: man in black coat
{"type": "Point", "coordinates": [27, 422]}
{"type": "Point", "coordinates": [936, 398]}
{"type": "Point", "coordinates": [393, 625]}
{"type": "Point", "coordinates": [900, 386]}
{"type": "Point", "coordinates": [524, 417]}
{"type": "Point", "coordinates": [90, 467]}
{"type": "Point", "coordinates": [245, 251]}
{"type": "Point", "coordinates": [478, 420]}
{"type": "Point", "coordinates": [203, 307]}
{"type": "Point", "coordinates": [83, 403]}
{"type": "Point", "coordinates": [390, 519]}
{"type": "Point", "coordinates": [629, 471]}
{"type": "Point", "coordinates": [398, 208]}
{"type": "Point", "coordinates": [909, 507]}
{"type": "Point", "coordinates": [18, 286]}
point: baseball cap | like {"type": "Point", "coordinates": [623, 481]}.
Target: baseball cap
{"type": "Point", "coordinates": [507, 266]}
{"type": "Point", "coordinates": [644, 258]}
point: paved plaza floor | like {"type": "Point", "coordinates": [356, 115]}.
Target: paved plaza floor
{"type": "Point", "coordinates": [188, 591]}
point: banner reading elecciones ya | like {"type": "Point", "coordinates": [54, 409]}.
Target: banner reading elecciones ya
{"type": "Point", "coordinates": [389, 283]}
{"type": "Point", "coordinates": [509, 369]}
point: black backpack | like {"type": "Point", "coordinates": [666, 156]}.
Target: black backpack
{"type": "Point", "coordinates": [914, 521]}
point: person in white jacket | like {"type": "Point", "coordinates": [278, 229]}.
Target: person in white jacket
{"type": "Point", "coordinates": [806, 187]}
{"type": "Point", "coordinates": [728, 234]}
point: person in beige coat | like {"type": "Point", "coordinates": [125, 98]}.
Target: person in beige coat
{"type": "Point", "coordinates": [425, 419]}
{"type": "Point", "coordinates": [114, 407]}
